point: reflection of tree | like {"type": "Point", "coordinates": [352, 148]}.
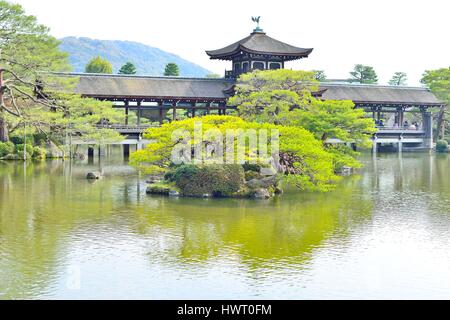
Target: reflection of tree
{"type": "Point", "coordinates": [38, 212]}
{"type": "Point", "coordinates": [257, 233]}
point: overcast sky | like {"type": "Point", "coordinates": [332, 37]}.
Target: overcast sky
{"type": "Point", "coordinates": [390, 35]}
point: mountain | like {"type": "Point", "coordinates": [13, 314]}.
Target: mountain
{"type": "Point", "coordinates": [148, 60]}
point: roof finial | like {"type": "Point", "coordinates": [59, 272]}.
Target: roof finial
{"type": "Point", "coordinates": [257, 19]}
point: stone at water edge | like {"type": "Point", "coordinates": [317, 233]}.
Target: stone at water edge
{"type": "Point", "coordinates": [53, 152]}
{"type": "Point", "coordinates": [94, 176]}
{"type": "Point", "coordinates": [262, 194]}
{"type": "Point", "coordinates": [174, 193]}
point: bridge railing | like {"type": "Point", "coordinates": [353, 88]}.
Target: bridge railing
{"type": "Point", "coordinates": [403, 129]}
{"type": "Point", "coordinates": [126, 128]}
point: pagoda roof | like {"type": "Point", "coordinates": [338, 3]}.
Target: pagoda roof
{"type": "Point", "coordinates": [260, 43]}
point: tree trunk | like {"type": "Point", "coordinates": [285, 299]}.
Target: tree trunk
{"type": "Point", "coordinates": [4, 132]}
{"type": "Point", "coordinates": [440, 129]}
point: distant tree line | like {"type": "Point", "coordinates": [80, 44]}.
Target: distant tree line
{"type": "Point", "coordinates": [103, 66]}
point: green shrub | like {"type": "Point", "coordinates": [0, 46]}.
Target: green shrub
{"type": "Point", "coordinates": [251, 167]}
{"type": "Point", "coordinates": [442, 146]}
{"type": "Point", "coordinates": [160, 188]}
{"type": "Point", "coordinates": [6, 148]}
{"type": "Point", "coordinates": [217, 180]}
{"type": "Point", "coordinates": [19, 150]}
{"type": "Point", "coordinates": [39, 153]}
{"type": "Point", "coordinates": [40, 139]}
{"type": "Point", "coordinates": [19, 139]}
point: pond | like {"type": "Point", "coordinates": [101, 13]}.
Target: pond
{"type": "Point", "coordinates": [384, 233]}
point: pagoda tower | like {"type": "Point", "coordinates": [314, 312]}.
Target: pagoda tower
{"type": "Point", "coordinates": [258, 51]}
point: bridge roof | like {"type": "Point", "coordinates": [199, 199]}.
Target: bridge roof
{"type": "Point", "coordinates": [375, 94]}
{"type": "Point", "coordinates": [142, 87]}
{"type": "Point", "coordinates": [121, 86]}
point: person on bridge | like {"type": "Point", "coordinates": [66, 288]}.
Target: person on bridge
{"type": "Point", "coordinates": [406, 124]}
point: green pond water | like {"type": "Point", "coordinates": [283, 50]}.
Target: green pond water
{"type": "Point", "coordinates": [384, 233]}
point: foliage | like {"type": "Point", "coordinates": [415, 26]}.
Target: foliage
{"type": "Point", "coordinates": [399, 79]}
{"type": "Point", "coordinates": [364, 74]}
{"type": "Point", "coordinates": [6, 148]}
{"type": "Point", "coordinates": [39, 153]}
{"type": "Point", "coordinates": [128, 68]}
{"type": "Point", "coordinates": [320, 75]}
{"type": "Point", "coordinates": [172, 70]}
{"type": "Point", "coordinates": [303, 160]}
{"type": "Point", "coordinates": [217, 180]}
{"type": "Point", "coordinates": [268, 96]}
{"type": "Point", "coordinates": [20, 149]}
{"type": "Point", "coordinates": [25, 48]}
{"type": "Point", "coordinates": [286, 97]}
{"type": "Point", "coordinates": [99, 65]}
{"type": "Point", "coordinates": [442, 146]}
{"type": "Point", "coordinates": [439, 83]}
{"type": "Point", "coordinates": [161, 188]}
{"type": "Point", "coordinates": [335, 119]}
{"type": "Point", "coordinates": [34, 98]}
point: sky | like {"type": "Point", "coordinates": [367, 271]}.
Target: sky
{"type": "Point", "coordinates": [391, 35]}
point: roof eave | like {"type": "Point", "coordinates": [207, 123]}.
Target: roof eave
{"type": "Point", "coordinates": [229, 55]}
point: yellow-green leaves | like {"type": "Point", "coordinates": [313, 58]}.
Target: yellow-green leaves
{"type": "Point", "coordinates": [308, 164]}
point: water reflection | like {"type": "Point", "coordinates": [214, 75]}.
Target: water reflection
{"type": "Point", "coordinates": [128, 244]}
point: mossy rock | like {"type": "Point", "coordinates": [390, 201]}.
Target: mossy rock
{"type": "Point", "coordinates": [215, 180]}
{"type": "Point", "coordinates": [94, 176]}
{"type": "Point", "coordinates": [162, 188]}
{"type": "Point", "coordinates": [271, 181]}
{"type": "Point", "coordinates": [442, 146]}
{"type": "Point", "coordinates": [11, 157]}
{"type": "Point", "coordinates": [252, 175]}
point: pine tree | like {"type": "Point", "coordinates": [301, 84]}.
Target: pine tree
{"type": "Point", "coordinates": [128, 68]}
{"type": "Point", "coordinates": [172, 70]}
{"type": "Point", "coordinates": [363, 74]}
{"type": "Point", "coordinates": [399, 79]}
{"type": "Point", "coordinates": [99, 65]}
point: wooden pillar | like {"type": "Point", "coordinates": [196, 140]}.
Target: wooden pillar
{"type": "Point", "coordinates": [161, 113]}
{"type": "Point", "coordinates": [193, 109]}
{"type": "Point", "coordinates": [139, 113]}
{"type": "Point", "coordinates": [127, 111]}
{"type": "Point", "coordinates": [208, 108]}
{"type": "Point", "coordinates": [174, 105]}
{"type": "Point", "coordinates": [401, 117]}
